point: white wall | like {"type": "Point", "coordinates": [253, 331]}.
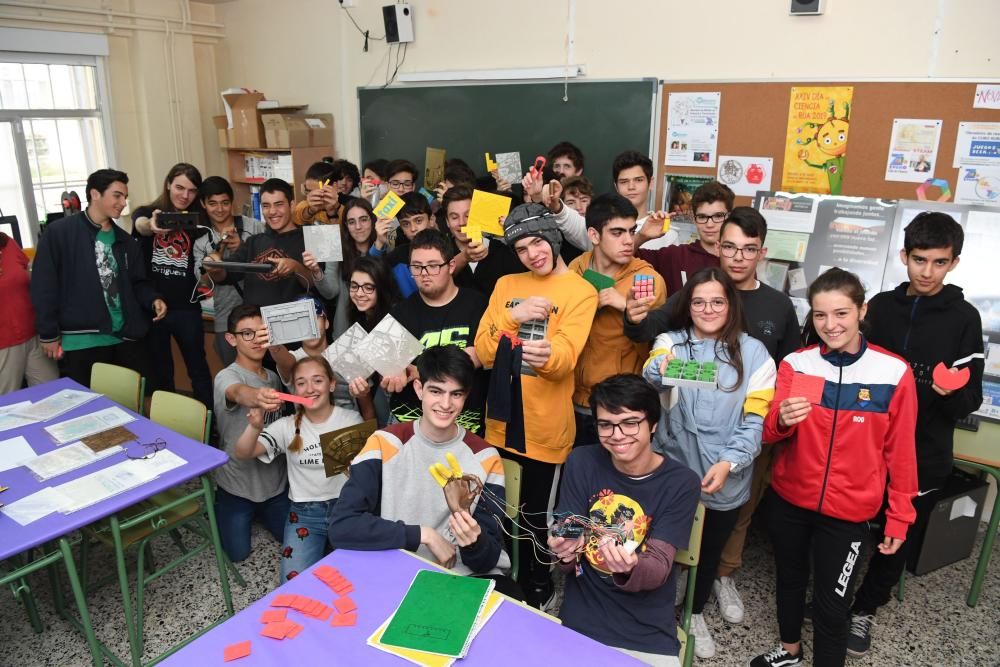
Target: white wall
{"type": "Point", "coordinates": [310, 52]}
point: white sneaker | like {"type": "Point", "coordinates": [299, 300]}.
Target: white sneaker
{"type": "Point", "coordinates": [704, 645]}
{"type": "Point", "coordinates": [729, 600]}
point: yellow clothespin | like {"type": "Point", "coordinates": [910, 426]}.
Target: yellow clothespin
{"type": "Point", "coordinates": [442, 474]}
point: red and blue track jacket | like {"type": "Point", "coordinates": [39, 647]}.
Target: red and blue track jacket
{"type": "Point", "coordinates": [836, 461]}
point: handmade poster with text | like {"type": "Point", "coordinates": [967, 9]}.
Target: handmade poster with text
{"type": "Point", "coordinates": [913, 150]}
{"type": "Point", "coordinates": [816, 139]}
{"type": "Point", "coordinates": [745, 175]}
{"type": "Point", "coordinates": [692, 129]}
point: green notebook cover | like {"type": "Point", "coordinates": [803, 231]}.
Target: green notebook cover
{"type": "Point", "coordinates": [598, 280]}
{"type": "Point", "coordinates": [438, 613]}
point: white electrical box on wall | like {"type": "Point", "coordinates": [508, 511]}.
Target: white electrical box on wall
{"type": "Point", "coordinates": [398, 21]}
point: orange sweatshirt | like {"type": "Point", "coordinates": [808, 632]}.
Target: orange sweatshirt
{"type": "Point", "coordinates": [608, 350]}
{"type": "Point", "coordinates": [549, 424]}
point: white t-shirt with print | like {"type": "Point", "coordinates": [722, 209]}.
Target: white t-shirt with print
{"type": "Point", "coordinates": [307, 480]}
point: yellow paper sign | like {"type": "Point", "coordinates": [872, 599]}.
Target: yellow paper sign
{"type": "Point", "coordinates": [474, 234]}
{"type": "Point", "coordinates": [388, 206]}
{"type": "Point", "coordinates": [490, 164]}
{"type": "Point", "coordinates": [486, 211]}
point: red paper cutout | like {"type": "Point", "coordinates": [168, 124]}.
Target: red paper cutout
{"type": "Point", "coordinates": [944, 378]}
{"type": "Point", "coordinates": [236, 651]}
{"type": "Point", "coordinates": [809, 387]}
{"type": "Point", "coordinates": [344, 620]}
{"type": "Point", "coordinates": [294, 631]}
{"type": "Point", "coordinates": [283, 600]}
{"type": "Point", "coordinates": [345, 605]}
{"type": "Point", "coordinates": [273, 615]}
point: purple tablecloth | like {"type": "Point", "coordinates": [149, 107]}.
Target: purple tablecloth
{"type": "Point", "coordinates": [17, 538]}
{"type": "Point", "coordinates": [513, 636]}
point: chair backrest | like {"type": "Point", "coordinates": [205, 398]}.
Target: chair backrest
{"type": "Point", "coordinates": [692, 554]}
{"type": "Point", "coordinates": [512, 487]}
{"type": "Point", "coordinates": [179, 413]}
{"type": "Point", "coordinates": [122, 385]}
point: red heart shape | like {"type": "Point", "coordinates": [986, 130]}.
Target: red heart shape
{"type": "Point", "coordinates": [944, 378]}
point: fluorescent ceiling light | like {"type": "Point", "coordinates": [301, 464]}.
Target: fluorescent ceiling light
{"type": "Point", "coordinates": [557, 72]}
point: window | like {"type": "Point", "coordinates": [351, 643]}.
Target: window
{"type": "Point", "coordinates": [52, 133]}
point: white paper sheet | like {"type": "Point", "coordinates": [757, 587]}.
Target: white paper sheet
{"type": "Point", "coordinates": [745, 175]}
{"type": "Point", "coordinates": [15, 452]}
{"type": "Point", "coordinates": [693, 129]}
{"type": "Point", "coordinates": [57, 404]}
{"type": "Point", "coordinates": [323, 242]}
{"type": "Point", "coordinates": [9, 420]}
{"type": "Point", "coordinates": [913, 149]}
{"type": "Point", "coordinates": [344, 356]}
{"type": "Point", "coordinates": [66, 459]}
{"type": "Point", "coordinates": [978, 185]}
{"type": "Point", "coordinates": [390, 347]}
{"type": "Point", "coordinates": [95, 422]}
{"type": "Point", "coordinates": [100, 485]}
{"type": "Point", "coordinates": [37, 505]}
{"type": "Point", "coordinates": [962, 507]}
{"type": "Point", "coordinates": [977, 143]}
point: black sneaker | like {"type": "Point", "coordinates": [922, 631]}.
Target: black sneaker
{"type": "Point", "coordinates": [859, 640]}
{"type": "Point", "coordinates": [779, 657]}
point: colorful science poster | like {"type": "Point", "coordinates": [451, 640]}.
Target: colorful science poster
{"type": "Point", "coordinates": [913, 150]}
{"type": "Point", "coordinates": [745, 175]}
{"type": "Point", "coordinates": [816, 139]}
{"type": "Point", "coordinates": [978, 185]}
{"type": "Point", "coordinates": [692, 129]}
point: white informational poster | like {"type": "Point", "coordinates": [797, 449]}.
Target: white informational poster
{"type": "Point", "coordinates": [987, 96]}
{"type": "Point", "coordinates": [789, 212]}
{"type": "Point", "coordinates": [978, 185]}
{"type": "Point", "coordinates": [913, 150]}
{"type": "Point", "coordinates": [745, 175]}
{"type": "Point", "coordinates": [692, 129]}
{"type": "Point", "coordinates": [977, 143]}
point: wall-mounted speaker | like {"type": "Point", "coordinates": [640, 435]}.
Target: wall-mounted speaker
{"type": "Point", "coordinates": [806, 7]}
{"type": "Point", "coordinates": [398, 21]}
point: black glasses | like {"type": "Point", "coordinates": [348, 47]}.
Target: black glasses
{"type": "Point", "coordinates": [401, 184]}
{"type": "Point", "coordinates": [627, 427]}
{"type": "Point", "coordinates": [429, 269]}
{"type": "Point", "coordinates": [717, 218]}
{"type": "Point", "coordinates": [246, 334]}
{"type": "Point", "coordinates": [148, 450]}
{"type": "Point", "coordinates": [730, 250]}
{"type": "Point", "coordinates": [367, 288]}
{"type": "Point", "coordinates": [699, 305]}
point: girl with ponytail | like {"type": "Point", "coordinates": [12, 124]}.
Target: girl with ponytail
{"type": "Point", "coordinates": [312, 494]}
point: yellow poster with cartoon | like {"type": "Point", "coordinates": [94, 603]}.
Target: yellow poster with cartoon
{"type": "Point", "coordinates": [816, 140]}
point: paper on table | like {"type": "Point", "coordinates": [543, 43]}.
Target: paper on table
{"type": "Point", "coordinates": [9, 420]}
{"type": "Point", "coordinates": [323, 242]}
{"type": "Point", "coordinates": [151, 468]}
{"type": "Point", "coordinates": [101, 485]}
{"type": "Point", "coordinates": [433, 659]}
{"type": "Point", "coordinates": [15, 452]}
{"type": "Point", "coordinates": [390, 347]}
{"type": "Point", "coordinates": [38, 504]}
{"type": "Point", "coordinates": [95, 422]}
{"type": "Point", "coordinates": [58, 403]}
{"type": "Point", "coordinates": [65, 459]}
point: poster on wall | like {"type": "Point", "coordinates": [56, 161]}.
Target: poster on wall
{"type": "Point", "coordinates": [745, 175]}
{"type": "Point", "coordinates": [816, 139]}
{"type": "Point", "coordinates": [677, 191]}
{"type": "Point", "coordinates": [913, 150]}
{"type": "Point", "coordinates": [978, 185]}
{"type": "Point", "coordinates": [987, 96]}
{"type": "Point", "coordinates": [692, 129]}
{"type": "Point", "coordinates": [977, 143]}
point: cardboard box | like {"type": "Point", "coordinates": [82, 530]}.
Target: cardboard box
{"type": "Point", "coordinates": [221, 128]}
{"type": "Point", "coordinates": [282, 130]}
{"type": "Point", "coordinates": [248, 129]}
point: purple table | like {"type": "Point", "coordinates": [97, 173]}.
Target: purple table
{"type": "Point", "coordinates": [514, 635]}
{"type": "Point", "coordinates": [19, 539]}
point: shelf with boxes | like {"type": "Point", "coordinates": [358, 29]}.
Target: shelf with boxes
{"type": "Point", "coordinates": [267, 141]}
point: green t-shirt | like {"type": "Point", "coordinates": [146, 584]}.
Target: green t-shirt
{"type": "Point", "coordinates": [107, 270]}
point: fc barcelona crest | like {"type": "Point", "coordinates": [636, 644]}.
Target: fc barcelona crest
{"type": "Point", "coordinates": [864, 396]}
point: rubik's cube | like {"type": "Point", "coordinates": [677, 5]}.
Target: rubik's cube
{"type": "Point", "coordinates": [642, 286]}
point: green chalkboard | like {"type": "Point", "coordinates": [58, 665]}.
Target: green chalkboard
{"type": "Point", "coordinates": [603, 118]}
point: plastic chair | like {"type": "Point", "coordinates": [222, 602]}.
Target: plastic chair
{"type": "Point", "coordinates": [512, 485]}
{"type": "Point", "coordinates": [182, 414]}
{"type": "Point", "coordinates": [690, 558]}
{"type": "Point", "coordinates": [122, 385]}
